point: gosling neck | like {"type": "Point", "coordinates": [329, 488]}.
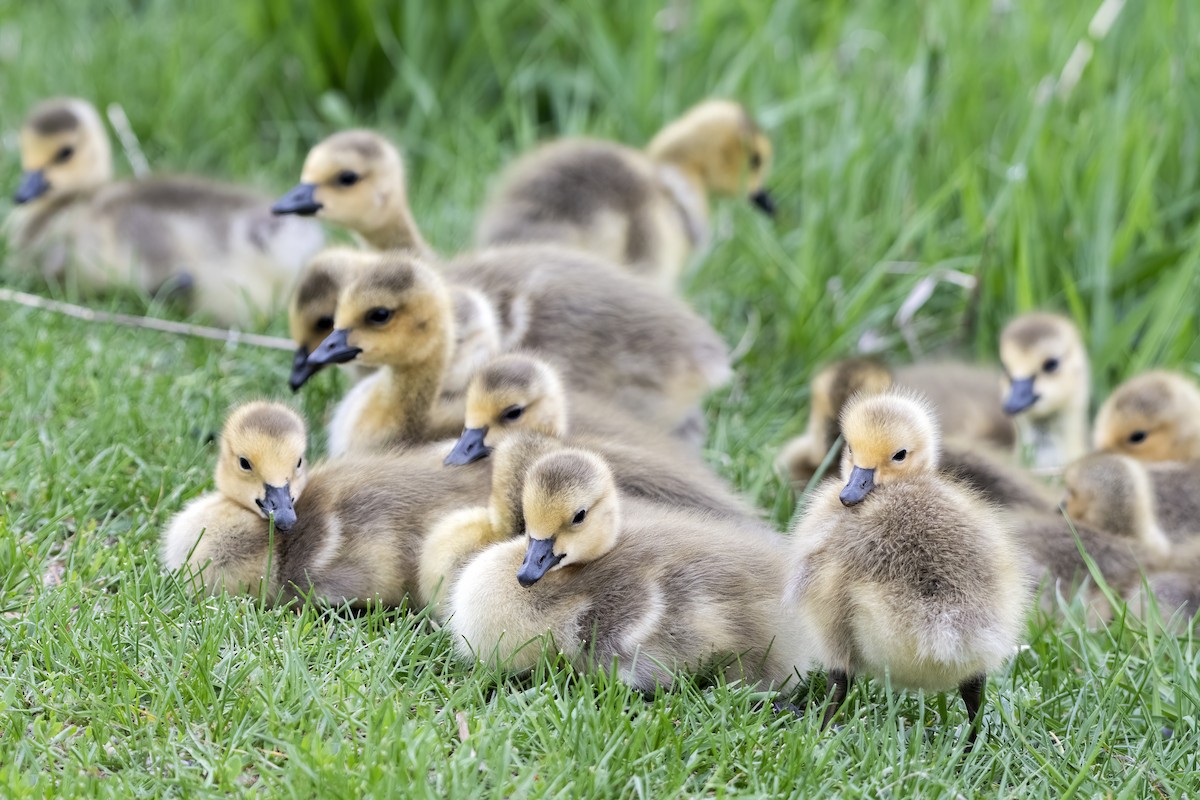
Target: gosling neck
{"type": "Point", "coordinates": [413, 390]}
{"type": "Point", "coordinates": [686, 193]}
{"type": "Point", "coordinates": [1053, 442]}
{"type": "Point", "coordinates": [398, 232]}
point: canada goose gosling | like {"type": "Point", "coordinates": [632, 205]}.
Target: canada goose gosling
{"type": "Point", "coordinates": [1114, 493]}
{"type": "Point", "coordinates": [260, 473]}
{"type": "Point", "coordinates": [1152, 417]}
{"type": "Point", "coordinates": [356, 179]}
{"type": "Point", "coordinates": [394, 314]}
{"type": "Point", "coordinates": [902, 572]}
{"type": "Point", "coordinates": [1049, 383]}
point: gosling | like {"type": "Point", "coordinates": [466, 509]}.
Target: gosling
{"type": "Point", "coordinates": [213, 244]}
{"type": "Point", "coordinates": [647, 211]}
{"type": "Point", "coordinates": [615, 581]}
{"type": "Point", "coordinates": [902, 572]}
{"type": "Point", "coordinates": [1049, 388]}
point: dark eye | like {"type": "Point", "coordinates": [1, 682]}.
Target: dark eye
{"type": "Point", "coordinates": [513, 413]}
{"type": "Point", "coordinates": [244, 463]}
{"type": "Point", "coordinates": [580, 516]}
{"type": "Point", "coordinates": [324, 324]}
{"type": "Point", "coordinates": [1050, 365]}
{"type": "Point", "coordinates": [1137, 437]}
{"type": "Point", "coordinates": [755, 161]}
{"type": "Point", "coordinates": [300, 463]}
{"type": "Point", "coordinates": [64, 154]}
{"type": "Point", "coordinates": [378, 316]}
{"type": "Point", "coordinates": [900, 455]}
{"type": "Point", "coordinates": [347, 178]}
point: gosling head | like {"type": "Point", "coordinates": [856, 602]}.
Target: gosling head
{"type": "Point", "coordinates": [514, 392]}
{"type": "Point", "coordinates": [720, 143]}
{"type": "Point", "coordinates": [395, 311]}
{"type": "Point", "coordinates": [1046, 364]}
{"type": "Point", "coordinates": [1153, 417]}
{"type": "Point", "coordinates": [889, 437]}
{"type": "Point", "coordinates": [261, 462]}
{"type": "Point", "coordinates": [1114, 493]}
{"type": "Point", "coordinates": [572, 513]}
{"type": "Point", "coordinates": [314, 303]}
{"type": "Point", "coordinates": [838, 383]}
{"type": "Point", "coordinates": [354, 178]}
{"type": "Point", "coordinates": [64, 149]}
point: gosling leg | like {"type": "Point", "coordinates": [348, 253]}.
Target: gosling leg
{"type": "Point", "coordinates": [839, 687]}
{"type": "Point", "coordinates": [972, 695]}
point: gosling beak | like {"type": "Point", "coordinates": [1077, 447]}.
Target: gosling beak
{"type": "Point", "coordinates": [334, 350]}
{"type": "Point", "coordinates": [1020, 396]}
{"type": "Point", "coordinates": [299, 200]}
{"type": "Point", "coordinates": [469, 448]}
{"type": "Point", "coordinates": [539, 558]}
{"type": "Point", "coordinates": [33, 185]}
{"type": "Point", "coordinates": [763, 201]}
{"type": "Point", "coordinates": [861, 482]}
{"type": "Point", "coordinates": [278, 504]}
{"type": "Point", "coordinates": [301, 369]}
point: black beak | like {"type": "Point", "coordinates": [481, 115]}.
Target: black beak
{"type": "Point", "coordinates": [861, 482]}
{"type": "Point", "coordinates": [1020, 396]}
{"type": "Point", "coordinates": [301, 369]}
{"type": "Point", "coordinates": [299, 200]}
{"type": "Point", "coordinates": [763, 201]}
{"type": "Point", "coordinates": [278, 503]}
{"type": "Point", "coordinates": [539, 558]}
{"type": "Point", "coordinates": [469, 448]}
{"type": "Point", "coordinates": [33, 185]}
{"type": "Point", "coordinates": [334, 350]}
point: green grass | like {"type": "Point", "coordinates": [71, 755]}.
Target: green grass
{"type": "Point", "coordinates": [910, 138]}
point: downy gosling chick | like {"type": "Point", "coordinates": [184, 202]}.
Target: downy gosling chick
{"type": "Point", "coordinates": [647, 211]}
{"type": "Point", "coordinates": [1049, 388]}
{"type": "Point", "coordinates": [1111, 514]}
{"type": "Point", "coordinates": [1152, 417]}
{"type": "Point", "coordinates": [260, 474]}
{"type": "Point", "coordinates": [902, 572]}
{"type": "Point", "coordinates": [614, 580]}
{"type": "Point", "coordinates": [215, 244]}
{"type": "Point", "coordinates": [394, 314]}
{"type": "Point", "coordinates": [351, 533]}
{"type": "Point", "coordinates": [962, 395]}
{"type": "Point", "coordinates": [520, 392]}
{"type": "Point", "coordinates": [314, 304]}
{"type": "Point", "coordinates": [1115, 493]}
{"type": "Point", "coordinates": [356, 179]}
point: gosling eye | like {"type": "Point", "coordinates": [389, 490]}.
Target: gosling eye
{"type": "Point", "coordinates": [1050, 365]}
{"type": "Point", "coordinates": [64, 154]}
{"type": "Point", "coordinates": [300, 463]}
{"type": "Point", "coordinates": [347, 178]}
{"type": "Point", "coordinates": [512, 413]}
{"type": "Point", "coordinates": [244, 463]}
{"type": "Point", "coordinates": [1137, 437]}
{"type": "Point", "coordinates": [900, 455]}
{"type": "Point", "coordinates": [579, 517]}
{"type": "Point", "coordinates": [324, 324]}
{"type": "Point", "coordinates": [378, 316]}
{"type": "Point", "coordinates": [755, 161]}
